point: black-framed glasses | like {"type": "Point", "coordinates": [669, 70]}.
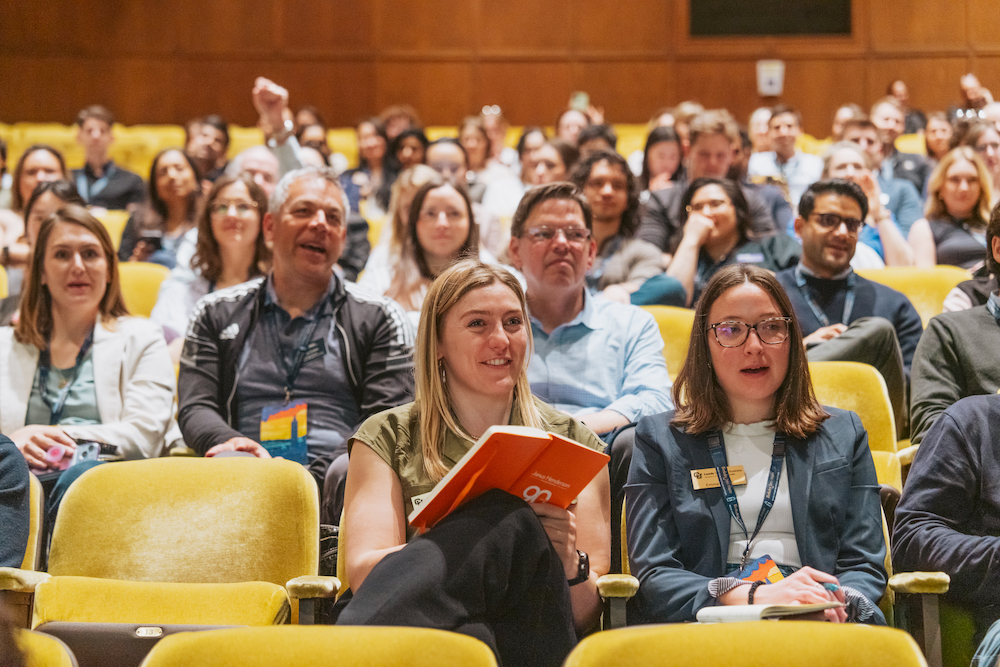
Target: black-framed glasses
{"type": "Point", "coordinates": [544, 234]}
{"type": "Point", "coordinates": [733, 333]}
{"type": "Point", "coordinates": [833, 220]}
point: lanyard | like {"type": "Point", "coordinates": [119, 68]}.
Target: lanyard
{"type": "Point", "coordinates": [292, 372]}
{"type": "Point", "coordinates": [993, 307]}
{"type": "Point", "coordinates": [44, 362]}
{"type": "Point", "coordinates": [773, 477]}
{"type": "Point", "coordinates": [86, 191]}
{"type": "Point", "coordinates": [852, 281]}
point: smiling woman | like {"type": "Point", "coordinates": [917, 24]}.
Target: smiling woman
{"type": "Point", "coordinates": [471, 356]}
{"type": "Point", "coordinates": [808, 491]}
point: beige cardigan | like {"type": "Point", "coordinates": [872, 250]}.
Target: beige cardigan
{"type": "Point", "coordinates": [134, 380]}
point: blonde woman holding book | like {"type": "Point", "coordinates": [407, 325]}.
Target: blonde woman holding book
{"type": "Point", "coordinates": [521, 577]}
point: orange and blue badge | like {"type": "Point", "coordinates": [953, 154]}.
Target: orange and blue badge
{"type": "Point", "coordinates": [283, 431]}
{"type": "Point", "coordinates": [761, 569]}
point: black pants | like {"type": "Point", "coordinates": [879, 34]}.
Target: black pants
{"type": "Point", "coordinates": [487, 570]}
{"type": "Point", "coordinates": [620, 442]}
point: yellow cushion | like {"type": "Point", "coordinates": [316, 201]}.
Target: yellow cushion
{"type": "Point", "coordinates": [925, 288]}
{"type": "Point", "coordinates": [675, 329]}
{"type": "Point", "coordinates": [88, 600]}
{"type": "Point", "coordinates": [140, 282]}
{"type": "Point", "coordinates": [42, 650]}
{"type": "Point", "coordinates": [859, 387]}
{"type": "Point", "coordinates": [788, 643]}
{"type": "Point", "coordinates": [345, 646]}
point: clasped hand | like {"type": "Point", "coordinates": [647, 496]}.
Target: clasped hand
{"type": "Point", "coordinates": [804, 586]}
{"type": "Point", "coordinates": [560, 526]}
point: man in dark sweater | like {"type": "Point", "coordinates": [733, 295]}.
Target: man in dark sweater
{"type": "Point", "coordinates": [843, 316]}
{"type": "Point", "coordinates": [949, 516]}
{"type": "Point", "coordinates": [100, 181]}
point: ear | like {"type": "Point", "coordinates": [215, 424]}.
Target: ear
{"type": "Point", "coordinates": [515, 253]}
{"type": "Point", "coordinates": [799, 222]}
{"type": "Point", "coordinates": [591, 253]}
{"type": "Point", "coordinates": [995, 248]}
{"type": "Point", "coordinates": [267, 226]}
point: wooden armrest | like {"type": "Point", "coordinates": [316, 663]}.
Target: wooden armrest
{"type": "Point", "coordinates": [906, 453]}
{"type": "Point", "coordinates": [920, 582]}
{"type": "Point", "coordinates": [308, 587]}
{"type": "Point", "coordinates": [20, 581]}
{"type": "Point", "coordinates": [617, 586]}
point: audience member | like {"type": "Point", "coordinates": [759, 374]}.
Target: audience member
{"type": "Point", "coordinates": [887, 116]}
{"type": "Point", "coordinates": [625, 268]}
{"type": "Point", "coordinates": [206, 143]}
{"type": "Point", "coordinates": [441, 231]}
{"type": "Point", "coordinates": [321, 350]}
{"type": "Point", "coordinates": [397, 118]}
{"type": "Point", "coordinates": [661, 160]}
{"type": "Point", "coordinates": [595, 359]}
{"type": "Point", "coordinates": [37, 163]}
{"type": "Point", "coordinates": [569, 125]}
{"type": "Point", "coordinates": [947, 520]}
{"type": "Point", "coordinates": [230, 250]}
{"type": "Point", "coordinates": [482, 169]}
{"type": "Point", "coordinates": [975, 97]}
{"type": "Point", "coordinates": [799, 170]}
{"type": "Point", "coordinates": [307, 115]}
{"type": "Point", "coordinates": [6, 180]}
{"type": "Point", "coordinates": [496, 129]}
{"type": "Point", "coordinates": [683, 114]}
{"type": "Point", "coordinates": [953, 230]}
{"type": "Point", "coordinates": [521, 577]}
{"type": "Point", "coordinates": [314, 136]}
{"type": "Point", "coordinates": [101, 182]}
{"type": "Point", "coordinates": [164, 229]}
{"type": "Point", "coordinates": [48, 197]}
{"type": "Point", "coordinates": [717, 232]}
{"type": "Point", "coordinates": [409, 148]}
{"type": "Point", "coordinates": [984, 138]}
{"type": "Point", "coordinates": [397, 230]}
{"type": "Point", "coordinates": [772, 193]}
{"type": "Point", "coordinates": [712, 135]}
{"type": "Point", "coordinates": [15, 505]}
{"type": "Point", "coordinates": [754, 407]}
{"type": "Point", "coordinates": [260, 164]}
{"type": "Point", "coordinates": [914, 119]}
{"type": "Point", "coordinates": [552, 161]}
{"type": "Point", "coordinates": [938, 136]}
{"type": "Point", "coordinates": [759, 131]}
{"type": "Point", "coordinates": [953, 358]}
{"type": "Point", "coordinates": [844, 113]}
{"type": "Point", "coordinates": [880, 232]}
{"type": "Point", "coordinates": [372, 180]}
{"type": "Point", "coordinates": [843, 316]}
{"type": "Point", "coordinates": [597, 138]}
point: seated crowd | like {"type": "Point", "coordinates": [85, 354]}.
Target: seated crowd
{"type": "Point", "coordinates": [505, 288]}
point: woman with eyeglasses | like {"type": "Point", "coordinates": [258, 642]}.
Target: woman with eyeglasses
{"type": "Point", "coordinates": [800, 494]}
{"type": "Point", "coordinates": [953, 229]}
{"type": "Point", "coordinates": [230, 251]}
{"type": "Point", "coordinates": [984, 138]}
{"type": "Point", "coordinates": [717, 232]}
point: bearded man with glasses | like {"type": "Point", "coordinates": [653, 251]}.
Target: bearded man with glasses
{"type": "Point", "coordinates": [843, 316]}
{"type": "Point", "coordinates": [598, 360]}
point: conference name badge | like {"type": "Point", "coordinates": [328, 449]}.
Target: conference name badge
{"type": "Point", "coordinates": [707, 478]}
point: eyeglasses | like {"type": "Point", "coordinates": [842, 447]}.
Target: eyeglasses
{"type": "Point", "coordinates": [712, 204]}
{"type": "Point", "coordinates": [243, 209]}
{"type": "Point", "coordinates": [986, 148]}
{"type": "Point", "coordinates": [732, 333]}
{"type": "Point", "coordinates": [544, 234]}
{"type": "Point", "coordinates": [833, 221]}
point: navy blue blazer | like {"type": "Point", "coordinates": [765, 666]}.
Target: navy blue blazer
{"type": "Point", "coordinates": [678, 538]}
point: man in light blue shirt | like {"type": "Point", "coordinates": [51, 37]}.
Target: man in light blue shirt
{"type": "Point", "coordinates": [800, 170]}
{"type": "Point", "coordinates": [599, 360]}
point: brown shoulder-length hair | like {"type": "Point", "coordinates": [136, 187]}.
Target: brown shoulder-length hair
{"type": "Point", "coordinates": [35, 325]}
{"type": "Point", "coordinates": [702, 404]}
{"type": "Point", "coordinates": [207, 257]}
{"type": "Point", "coordinates": [17, 202]}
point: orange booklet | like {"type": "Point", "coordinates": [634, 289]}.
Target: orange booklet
{"type": "Point", "coordinates": [527, 462]}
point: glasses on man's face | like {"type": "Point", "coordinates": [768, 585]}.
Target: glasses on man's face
{"type": "Point", "coordinates": [545, 234]}
{"type": "Point", "coordinates": [833, 221]}
{"type": "Point", "coordinates": [220, 209]}
{"type": "Point", "coordinates": [733, 333]}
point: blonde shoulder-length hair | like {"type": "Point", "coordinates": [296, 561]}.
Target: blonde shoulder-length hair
{"type": "Point", "coordinates": [35, 324]}
{"type": "Point", "coordinates": [936, 208]}
{"type": "Point", "coordinates": [433, 403]}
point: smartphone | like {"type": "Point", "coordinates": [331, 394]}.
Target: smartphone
{"type": "Point", "coordinates": [579, 101]}
{"type": "Point", "coordinates": [153, 238]}
{"type": "Point", "coordinates": [85, 451]}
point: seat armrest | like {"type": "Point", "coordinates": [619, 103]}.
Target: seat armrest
{"type": "Point", "coordinates": [906, 453]}
{"type": "Point", "coordinates": [936, 583]}
{"type": "Point", "coordinates": [20, 581]}
{"type": "Point", "coordinates": [617, 586]}
{"type": "Point", "coordinates": [308, 587]}
{"type": "Point", "coordinates": [182, 450]}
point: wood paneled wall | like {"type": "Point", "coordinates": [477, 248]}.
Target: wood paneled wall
{"type": "Point", "coordinates": [164, 61]}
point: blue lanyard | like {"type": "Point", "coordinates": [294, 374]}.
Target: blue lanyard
{"type": "Point", "coordinates": [993, 307]}
{"type": "Point", "coordinates": [85, 191]}
{"type": "Point", "coordinates": [852, 282]}
{"type": "Point", "coordinates": [44, 363]}
{"type": "Point", "coordinates": [770, 493]}
{"type": "Point", "coordinates": [292, 372]}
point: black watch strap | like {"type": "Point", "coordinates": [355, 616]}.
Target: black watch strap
{"type": "Point", "coordinates": [753, 589]}
{"type": "Point", "coordinates": [583, 569]}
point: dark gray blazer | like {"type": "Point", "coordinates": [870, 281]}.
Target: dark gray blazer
{"type": "Point", "coordinates": [678, 538]}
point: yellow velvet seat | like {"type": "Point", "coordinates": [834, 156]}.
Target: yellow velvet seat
{"type": "Point", "coordinates": [859, 387]}
{"type": "Point", "coordinates": [42, 650]}
{"type": "Point", "coordinates": [4, 288]}
{"type": "Point", "coordinates": [784, 644]}
{"type": "Point", "coordinates": [344, 646]}
{"type": "Point", "coordinates": [140, 283]}
{"type": "Point", "coordinates": [114, 222]}
{"type": "Point", "coordinates": [181, 541]}
{"type": "Point", "coordinates": [925, 288]}
{"type": "Point", "coordinates": [675, 328]}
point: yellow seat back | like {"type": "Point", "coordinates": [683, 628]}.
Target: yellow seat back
{"type": "Point", "coordinates": [785, 644]}
{"type": "Point", "coordinates": [301, 646]}
{"type": "Point", "coordinates": [4, 287]}
{"type": "Point", "coordinates": [36, 513]}
{"type": "Point", "coordinates": [859, 387]}
{"type": "Point", "coordinates": [675, 329]}
{"type": "Point", "coordinates": [42, 650]}
{"type": "Point", "coordinates": [925, 288]}
{"type": "Point", "coordinates": [140, 283]}
{"type": "Point", "coordinates": [912, 143]}
{"type": "Point", "coordinates": [114, 222]}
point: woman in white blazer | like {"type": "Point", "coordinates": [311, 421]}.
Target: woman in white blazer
{"type": "Point", "coordinates": [76, 367]}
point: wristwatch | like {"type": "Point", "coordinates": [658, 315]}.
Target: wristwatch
{"type": "Point", "coordinates": [281, 136]}
{"type": "Point", "coordinates": [583, 569]}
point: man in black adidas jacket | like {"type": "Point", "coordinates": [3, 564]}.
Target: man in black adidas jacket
{"type": "Point", "coordinates": [291, 364]}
